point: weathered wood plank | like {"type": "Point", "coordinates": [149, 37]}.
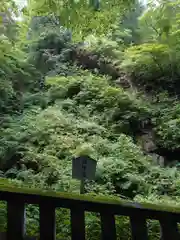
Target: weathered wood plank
{"type": "Point", "coordinates": [108, 226]}
{"type": "Point", "coordinates": [15, 220]}
{"type": "Point", "coordinates": [91, 205]}
{"type": "Point", "coordinates": [47, 222]}
{"type": "Point", "coordinates": [138, 228]}
{"type": "Point", "coordinates": [169, 229]}
{"type": "Point", "coordinates": [77, 224]}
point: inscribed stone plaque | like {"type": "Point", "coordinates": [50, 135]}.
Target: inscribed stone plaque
{"type": "Point", "coordinates": [83, 167]}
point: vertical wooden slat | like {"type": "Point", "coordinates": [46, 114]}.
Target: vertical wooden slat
{"type": "Point", "coordinates": [77, 224]}
{"type": "Point", "coordinates": [15, 220]}
{"type": "Point", "coordinates": [108, 226]}
{"type": "Point", "coordinates": [29, 238]}
{"type": "Point", "coordinates": [138, 228]}
{"type": "Point", "coordinates": [3, 236]}
{"type": "Point", "coordinates": [169, 229]}
{"type": "Point", "coordinates": [47, 222]}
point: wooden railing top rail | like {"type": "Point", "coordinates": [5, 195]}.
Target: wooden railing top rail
{"type": "Point", "coordinates": [86, 202]}
{"type": "Point", "coordinates": [47, 201]}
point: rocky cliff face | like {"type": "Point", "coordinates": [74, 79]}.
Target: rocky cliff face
{"type": "Point", "coordinates": [147, 142]}
{"type": "Point", "coordinates": [146, 138]}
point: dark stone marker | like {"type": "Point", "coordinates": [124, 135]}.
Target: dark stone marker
{"type": "Point", "coordinates": [83, 168]}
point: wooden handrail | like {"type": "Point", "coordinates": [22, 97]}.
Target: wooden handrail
{"type": "Point", "coordinates": [108, 208]}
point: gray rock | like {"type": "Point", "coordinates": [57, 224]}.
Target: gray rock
{"type": "Point", "coordinates": [157, 159]}
{"type": "Point", "coordinates": [147, 142]}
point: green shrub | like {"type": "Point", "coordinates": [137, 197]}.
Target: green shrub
{"type": "Point", "coordinates": [150, 67]}
{"type": "Point", "coordinates": [167, 125]}
{"type": "Point", "coordinates": [115, 106]}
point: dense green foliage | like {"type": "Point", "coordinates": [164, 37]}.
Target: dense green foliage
{"type": "Point", "coordinates": [70, 87]}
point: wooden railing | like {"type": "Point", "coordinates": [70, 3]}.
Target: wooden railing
{"type": "Point", "coordinates": [48, 202]}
